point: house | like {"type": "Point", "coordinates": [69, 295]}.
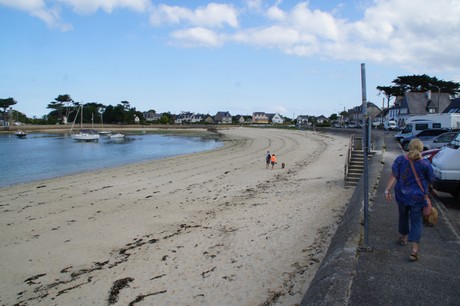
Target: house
{"type": "Point", "coordinates": [356, 112]}
{"type": "Point", "coordinates": [209, 119]}
{"type": "Point", "coordinates": [454, 106]}
{"type": "Point", "coordinates": [196, 118]}
{"type": "Point", "coordinates": [421, 103]}
{"type": "Point", "coordinates": [275, 118]}
{"type": "Point", "coordinates": [260, 117]}
{"type": "Point", "coordinates": [183, 117]}
{"type": "Point", "coordinates": [393, 111]}
{"type": "Point", "coordinates": [321, 119]}
{"type": "Point", "coordinates": [303, 120]}
{"type": "Point", "coordinates": [243, 119]}
{"type": "Point", "coordinates": [223, 118]}
{"type": "Point", "coordinates": [151, 116]}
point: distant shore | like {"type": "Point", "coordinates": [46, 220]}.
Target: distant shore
{"type": "Point", "coordinates": [212, 228]}
{"type": "Point", "coordinates": [110, 127]}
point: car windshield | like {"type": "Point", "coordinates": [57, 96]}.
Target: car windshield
{"type": "Point", "coordinates": [455, 143]}
{"type": "Point", "coordinates": [407, 129]}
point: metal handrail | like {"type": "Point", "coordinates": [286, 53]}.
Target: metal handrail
{"type": "Point", "coordinates": [348, 160]}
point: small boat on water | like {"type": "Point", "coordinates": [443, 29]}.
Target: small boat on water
{"type": "Point", "coordinates": [20, 134]}
{"type": "Point", "coordinates": [105, 133]}
{"type": "Point", "coordinates": [117, 136]}
{"type": "Point", "coordinates": [84, 135]}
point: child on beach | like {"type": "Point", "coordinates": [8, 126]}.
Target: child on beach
{"type": "Point", "coordinates": [273, 160]}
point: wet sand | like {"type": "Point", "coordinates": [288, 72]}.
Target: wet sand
{"type": "Point", "coordinates": [212, 228]}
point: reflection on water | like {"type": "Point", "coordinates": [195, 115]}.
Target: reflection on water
{"type": "Point", "coordinates": [40, 156]}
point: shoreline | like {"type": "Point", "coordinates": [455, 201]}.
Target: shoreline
{"type": "Point", "coordinates": [205, 228]}
{"type": "Point", "coordinates": [196, 133]}
{"type": "Point", "coordinates": [115, 127]}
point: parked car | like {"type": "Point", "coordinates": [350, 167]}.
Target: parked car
{"type": "Point", "coordinates": [413, 128]}
{"type": "Point", "coordinates": [429, 154]}
{"type": "Point", "coordinates": [446, 168]}
{"type": "Point", "coordinates": [423, 136]}
{"type": "Point", "coordinates": [439, 141]}
{"type": "Point", "coordinates": [390, 125]}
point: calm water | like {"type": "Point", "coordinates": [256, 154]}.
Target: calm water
{"type": "Point", "coordinates": [40, 156]}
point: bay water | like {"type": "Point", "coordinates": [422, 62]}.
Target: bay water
{"type": "Point", "coordinates": [42, 156]}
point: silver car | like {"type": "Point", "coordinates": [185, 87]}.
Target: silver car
{"type": "Point", "coordinates": [439, 141]}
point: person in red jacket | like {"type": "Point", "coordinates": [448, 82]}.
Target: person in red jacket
{"type": "Point", "coordinates": [273, 160]}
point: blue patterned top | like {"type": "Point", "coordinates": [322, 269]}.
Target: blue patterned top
{"type": "Point", "coordinates": [407, 191]}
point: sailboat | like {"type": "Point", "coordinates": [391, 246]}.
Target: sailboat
{"type": "Point", "coordinates": [84, 135]}
{"type": "Point", "coordinates": [103, 132]}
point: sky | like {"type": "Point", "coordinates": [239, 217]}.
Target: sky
{"type": "Point", "coordinates": [287, 57]}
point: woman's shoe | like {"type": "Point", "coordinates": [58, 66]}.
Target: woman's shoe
{"type": "Point", "coordinates": [402, 241]}
{"type": "Point", "coordinates": [413, 256]}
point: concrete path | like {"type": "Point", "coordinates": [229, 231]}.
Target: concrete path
{"type": "Point", "coordinates": [385, 276]}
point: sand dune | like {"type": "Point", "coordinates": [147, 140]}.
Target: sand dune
{"type": "Point", "coordinates": [213, 228]}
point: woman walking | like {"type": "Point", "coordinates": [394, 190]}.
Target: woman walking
{"type": "Point", "coordinates": [411, 199]}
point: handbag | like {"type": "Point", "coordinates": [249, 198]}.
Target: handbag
{"type": "Point", "coordinates": [427, 208]}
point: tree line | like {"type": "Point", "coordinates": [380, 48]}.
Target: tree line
{"type": "Point", "coordinates": [64, 108]}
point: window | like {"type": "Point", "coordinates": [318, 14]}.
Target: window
{"type": "Point", "coordinates": [422, 126]}
{"type": "Point", "coordinates": [436, 125]}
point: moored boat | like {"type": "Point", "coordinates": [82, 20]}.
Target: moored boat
{"type": "Point", "coordinates": [85, 135]}
{"type": "Point", "coordinates": [117, 136]}
{"type": "Point", "coordinates": [105, 133]}
{"type": "Point", "coordinates": [20, 134]}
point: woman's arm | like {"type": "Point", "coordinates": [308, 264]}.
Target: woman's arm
{"type": "Point", "coordinates": [390, 184]}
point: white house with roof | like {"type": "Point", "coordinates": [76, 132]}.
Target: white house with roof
{"type": "Point", "coordinates": [183, 117]}
{"type": "Point", "coordinates": [275, 118]}
{"type": "Point", "coordinates": [196, 118]}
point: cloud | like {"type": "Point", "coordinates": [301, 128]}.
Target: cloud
{"type": "Point", "coordinates": [51, 14]}
{"type": "Point", "coordinates": [389, 31]}
{"type": "Point", "coordinates": [212, 15]}
{"type": "Point", "coordinates": [91, 6]}
{"type": "Point", "coordinates": [275, 13]}
{"type": "Point", "coordinates": [197, 37]}
{"type": "Point", "coordinates": [386, 31]}
{"type": "Point", "coordinates": [38, 8]}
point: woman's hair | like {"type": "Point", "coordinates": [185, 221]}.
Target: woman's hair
{"type": "Point", "coordinates": [415, 149]}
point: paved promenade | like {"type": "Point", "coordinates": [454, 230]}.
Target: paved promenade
{"type": "Point", "coordinates": [385, 276]}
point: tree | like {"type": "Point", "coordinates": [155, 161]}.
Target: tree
{"type": "Point", "coordinates": [5, 104]}
{"type": "Point", "coordinates": [418, 83]}
{"type": "Point", "coordinates": [390, 92]}
{"type": "Point", "coordinates": [62, 102]}
{"type": "Point", "coordinates": [333, 117]}
{"type": "Point", "coordinates": [166, 118]}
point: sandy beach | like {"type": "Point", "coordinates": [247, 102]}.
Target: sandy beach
{"type": "Point", "coordinates": [212, 228]}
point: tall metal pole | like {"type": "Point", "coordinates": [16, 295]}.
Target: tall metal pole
{"type": "Point", "coordinates": [366, 127]}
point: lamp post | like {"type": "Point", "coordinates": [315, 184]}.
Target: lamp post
{"type": "Point", "coordinates": [366, 135]}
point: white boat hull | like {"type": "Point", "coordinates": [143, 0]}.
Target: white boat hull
{"type": "Point", "coordinates": [117, 136]}
{"type": "Point", "coordinates": [85, 137]}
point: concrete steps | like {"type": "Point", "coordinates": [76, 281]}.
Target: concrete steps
{"type": "Point", "coordinates": [355, 167]}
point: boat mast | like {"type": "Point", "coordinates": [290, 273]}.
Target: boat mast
{"type": "Point", "coordinates": [74, 119]}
